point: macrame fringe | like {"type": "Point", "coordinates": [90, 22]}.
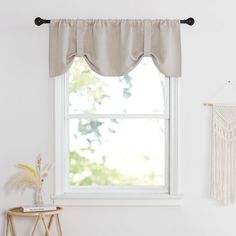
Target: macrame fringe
{"type": "Point", "coordinates": [223, 164]}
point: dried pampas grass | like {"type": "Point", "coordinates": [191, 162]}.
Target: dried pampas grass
{"type": "Point", "coordinates": [23, 180]}
{"type": "Point", "coordinates": [28, 177]}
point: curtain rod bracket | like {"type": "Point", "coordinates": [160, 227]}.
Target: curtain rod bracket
{"type": "Point", "coordinates": [39, 21]}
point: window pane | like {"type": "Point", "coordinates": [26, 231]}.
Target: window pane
{"type": "Point", "coordinates": [141, 91]}
{"type": "Point", "coordinates": [117, 152]}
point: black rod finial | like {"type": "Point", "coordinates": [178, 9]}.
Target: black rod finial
{"type": "Point", "coordinates": [39, 21]}
{"type": "Point", "coordinates": [190, 21]}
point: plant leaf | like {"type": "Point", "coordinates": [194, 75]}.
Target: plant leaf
{"type": "Point", "coordinates": [27, 167]}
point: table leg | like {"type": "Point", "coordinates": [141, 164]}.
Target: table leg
{"type": "Point", "coordinates": [35, 226]}
{"type": "Point", "coordinates": [7, 226]}
{"type": "Point", "coordinates": [12, 225]}
{"type": "Point", "coordinates": [59, 223]}
{"type": "Point", "coordinates": [45, 226]}
{"type": "Point", "coordinates": [50, 222]}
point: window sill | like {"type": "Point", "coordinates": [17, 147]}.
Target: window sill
{"type": "Point", "coordinates": [72, 199]}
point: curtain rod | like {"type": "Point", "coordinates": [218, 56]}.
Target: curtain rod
{"type": "Point", "coordinates": [39, 21]}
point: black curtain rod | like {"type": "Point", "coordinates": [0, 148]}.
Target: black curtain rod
{"type": "Point", "coordinates": [39, 21]}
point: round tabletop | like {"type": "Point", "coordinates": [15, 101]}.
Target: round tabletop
{"type": "Point", "coordinates": [17, 211]}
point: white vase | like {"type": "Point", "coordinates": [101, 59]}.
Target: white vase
{"type": "Point", "coordinates": [39, 197]}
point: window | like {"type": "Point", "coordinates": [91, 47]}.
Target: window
{"type": "Point", "coordinates": [115, 136]}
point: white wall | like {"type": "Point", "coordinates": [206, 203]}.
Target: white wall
{"type": "Point", "coordinates": [26, 110]}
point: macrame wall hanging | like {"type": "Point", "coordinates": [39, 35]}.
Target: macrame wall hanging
{"type": "Point", "coordinates": [223, 155]}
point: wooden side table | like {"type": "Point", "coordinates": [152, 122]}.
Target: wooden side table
{"type": "Point", "coordinates": [40, 216]}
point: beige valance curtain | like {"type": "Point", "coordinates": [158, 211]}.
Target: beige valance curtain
{"type": "Point", "coordinates": [115, 47]}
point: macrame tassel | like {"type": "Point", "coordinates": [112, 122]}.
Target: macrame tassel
{"type": "Point", "coordinates": [223, 163]}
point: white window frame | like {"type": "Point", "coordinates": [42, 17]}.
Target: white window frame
{"type": "Point", "coordinates": [109, 196]}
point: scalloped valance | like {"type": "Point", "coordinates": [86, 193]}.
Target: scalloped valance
{"type": "Point", "coordinates": [115, 47]}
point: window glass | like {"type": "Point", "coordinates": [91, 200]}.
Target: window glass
{"type": "Point", "coordinates": [117, 152]}
{"type": "Point", "coordinates": [118, 134]}
{"type": "Point", "coordinates": [141, 91]}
